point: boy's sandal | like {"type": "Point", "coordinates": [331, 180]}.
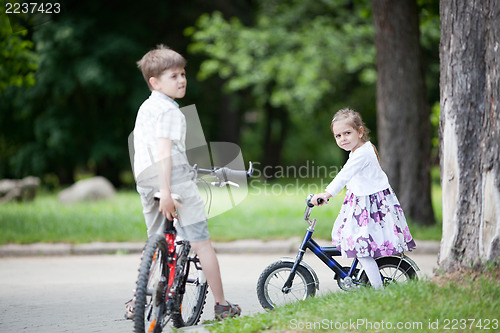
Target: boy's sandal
{"type": "Point", "coordinates": [226, 311]}
{"type": "Point", "coordinates": [129, 309]}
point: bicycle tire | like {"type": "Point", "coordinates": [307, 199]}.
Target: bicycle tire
{"type": "Point", "coordinates": [193, 297]}
{"type": "Point", "coordinates": [148, 310]}
{"type": "Point", "coordinates": [393, 270]}
{"type": "Point", "coordinates": [272, 279]}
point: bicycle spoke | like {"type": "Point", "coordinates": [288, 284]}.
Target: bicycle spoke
{"type": "Point", "coordinates": [394, 275]}
{"type": "Point", "coordinates": [296, 288]}
{"type": "Point", "coordinates": [278, 287]}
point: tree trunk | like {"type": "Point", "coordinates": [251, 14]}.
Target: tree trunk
{"type": "Point", "coordinates": [403, 116]}
{"type": "Point", "coordinates": [274, 137]}
{"type": "Point", "coordinates": [107, 169]}
{"type": "Point", "coordinates": [229, 120]}
{"type": "Point", "coordinates": [470, 132]}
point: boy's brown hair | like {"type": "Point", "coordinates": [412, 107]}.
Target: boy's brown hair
{"type": "Point", "coordinates": [158, 60]}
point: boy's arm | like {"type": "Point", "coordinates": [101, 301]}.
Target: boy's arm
{"type": "Point", "coordinates": [167, 207]}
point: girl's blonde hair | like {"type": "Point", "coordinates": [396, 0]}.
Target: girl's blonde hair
{"type": "Point", "coordinates": [355, 120]}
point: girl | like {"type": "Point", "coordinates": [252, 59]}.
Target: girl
{"type": "Point", "coordinates": [371, 222]}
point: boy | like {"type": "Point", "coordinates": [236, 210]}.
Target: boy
{"type": "Point", "coordinates": [159, 141]}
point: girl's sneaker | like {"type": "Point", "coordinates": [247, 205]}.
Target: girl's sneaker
{"type": "Point", "coordinates": [226, 311]}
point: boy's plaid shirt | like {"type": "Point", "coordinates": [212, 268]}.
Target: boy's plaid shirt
{"type": "Point", "coordinates": [158, 117]}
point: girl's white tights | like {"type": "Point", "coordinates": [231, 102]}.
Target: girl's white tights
{"type": "Point", "coordinates": [371, 269]}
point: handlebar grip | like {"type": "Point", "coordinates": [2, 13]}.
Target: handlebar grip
{"type": "Point", "coordinates": [311, 205]}
{"type": "Point", "coordinates": [227, 174]}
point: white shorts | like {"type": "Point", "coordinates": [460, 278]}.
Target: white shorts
{"type": "Point", "coordinates": [192, 220]}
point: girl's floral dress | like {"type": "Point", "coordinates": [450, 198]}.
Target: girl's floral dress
{"type": "Point", "coordinates": [372, 225]}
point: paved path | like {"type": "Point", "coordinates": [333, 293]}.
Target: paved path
{"type": "Point", "coordinates": [83, 294]}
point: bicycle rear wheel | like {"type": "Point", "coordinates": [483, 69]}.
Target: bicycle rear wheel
{"type": "Point", "coordinates": [393, 270]}
{"type": "Point", "coordinates": [194, 295]}
{"type": "Point", "coordinates": [149, 304]}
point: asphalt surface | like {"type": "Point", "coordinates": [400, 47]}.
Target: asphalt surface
{"type": "Point", "coordinates": [42, 291]}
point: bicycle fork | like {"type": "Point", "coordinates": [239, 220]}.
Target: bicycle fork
{"type": "Point", "coordinates": [287, 287]}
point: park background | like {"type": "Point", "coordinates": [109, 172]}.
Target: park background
{"type": "Point", "coordinates": [267, 76]}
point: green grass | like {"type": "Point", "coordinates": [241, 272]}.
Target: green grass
{"type": "Point", "coordinates": [459, 303]}
{"type": "Point", "coordinates": [268, 212]}
{"type": "Point", "coordinates": [47, 220]}
{"type": "Point", "coordinates": [275, 212]}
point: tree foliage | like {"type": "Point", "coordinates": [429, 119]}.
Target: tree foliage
{"type": "Point", "coordinates": [78, 115]}
{"type": "Point", "coordinates": [18, 63]}
{"type": "Point", "coordinates": [302, 62]}
{"type": "Point", "coordinates": [74, 107]}
{"type": "Point", "coordinates": [304, 58]}
{"type": "Point", "coordinates": [17, 59]}
{"type": "Point", "coordinates": [267, 69]}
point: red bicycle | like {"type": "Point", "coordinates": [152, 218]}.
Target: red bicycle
{"type": "Point", "coordinates": [171, 284]}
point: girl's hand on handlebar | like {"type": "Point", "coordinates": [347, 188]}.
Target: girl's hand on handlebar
{"type": "Point", "coordinates": [324, 199]}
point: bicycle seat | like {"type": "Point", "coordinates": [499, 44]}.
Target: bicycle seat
{"type": "Point", "coordinates": [174, 196]}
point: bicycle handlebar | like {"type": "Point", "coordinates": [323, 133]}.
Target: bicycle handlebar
{"type": "Point", "coordinates": [310, 204]}
{"type": "Point", "coordinates": [225, 175]}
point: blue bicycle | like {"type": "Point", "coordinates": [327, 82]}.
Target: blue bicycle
{"type": "Point", "coordinates": [289, 280]}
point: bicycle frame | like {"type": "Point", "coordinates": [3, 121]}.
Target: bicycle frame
{"type": "Point", "coordinates": [170, 235]}
{"type": "Point", "coordinates": [325, 254]}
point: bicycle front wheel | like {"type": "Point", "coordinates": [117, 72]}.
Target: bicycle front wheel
{"type": "Point", "coordinates": [149, 305]}
{"type": "Point", "coordinates": [194, 297]}
{"type": "Point", "coordinates": [270, 285]}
